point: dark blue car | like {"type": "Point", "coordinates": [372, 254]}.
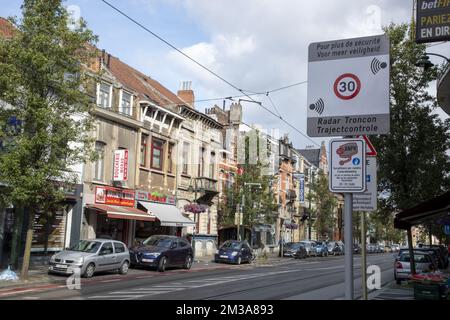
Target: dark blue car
{"type": "Point", "coordinates": [162, 251]}
{"type": "Point", "coordinates": [233, 251]}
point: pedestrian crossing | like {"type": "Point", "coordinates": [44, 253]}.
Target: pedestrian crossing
{"type": "Point", "coordinates": [149, 291]}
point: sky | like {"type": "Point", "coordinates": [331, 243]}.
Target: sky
{"type": "Point", "coordinates": [256, 45]}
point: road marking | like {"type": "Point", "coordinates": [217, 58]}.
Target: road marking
{"type": "Point", "coordinates": [112, 280]}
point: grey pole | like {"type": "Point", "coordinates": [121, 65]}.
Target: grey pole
{"type": "Point", "coordinates": [363, 256]}
{"type": "Point", "coordinates": [348, 238]}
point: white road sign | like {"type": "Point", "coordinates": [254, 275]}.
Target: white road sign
{"type": "Point", "coordinates": [367, 201]}
{"type": "Point", "coordinates": [347, 165]}
{"type": "Point", "coordinates": [348, 87]}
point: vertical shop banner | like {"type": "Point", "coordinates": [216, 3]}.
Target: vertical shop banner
{"type": "Point", "coordinates": [120, 165]}
{"type": "Point", "coordinates": [302, 188]}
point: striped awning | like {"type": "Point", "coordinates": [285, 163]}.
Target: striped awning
{"type": "Point", "coordinates": [119, 212]}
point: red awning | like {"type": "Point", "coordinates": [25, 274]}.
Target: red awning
{"type": "Point", "coordinates": [118, 212]}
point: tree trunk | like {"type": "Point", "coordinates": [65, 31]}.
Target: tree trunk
{"type": "Point", "coordinates": [17, 237]}
{"type": "Point", "coordinates": [28, 242]}
{"type": "Point", "coordinates": [2, 231]}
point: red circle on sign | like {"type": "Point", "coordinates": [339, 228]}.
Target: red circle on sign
{"type": "Point", "coordinates": [356, 89]}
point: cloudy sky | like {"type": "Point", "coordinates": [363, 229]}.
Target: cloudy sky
{"type": "Point", "coordinates": [257, 45]}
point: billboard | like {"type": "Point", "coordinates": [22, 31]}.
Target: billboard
{"type": "Point", "coordinates": [432, 21]}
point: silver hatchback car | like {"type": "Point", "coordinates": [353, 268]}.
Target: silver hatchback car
{"type": "Point", "coordinates": [90, 256]}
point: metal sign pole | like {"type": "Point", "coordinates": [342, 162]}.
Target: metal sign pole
{"type": "Point", "coordinates": [348, 238]}
{"type": "Point", "coordinates": [363, 256]}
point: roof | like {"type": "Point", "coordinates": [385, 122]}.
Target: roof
{"type": "Point", "coordinates": [312, 155]}
{"type": "Point", "coordinates": [436, 210]}
{"type": "Point", "coordinates": [7, 30]}
{"type": "Point", "coordinates": [146, 87]}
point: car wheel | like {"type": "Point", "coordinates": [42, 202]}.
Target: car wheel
{"type": "Point", "coordinates": [239, 260]}
{"type": "Point", "coordinates": [124, 267]}
{"type": "Point", "coordinates": [188, 263]}
{"type": "Point", "coordinates": [90, 270]}
{"type": "Point", "coordinates": [162, 264]}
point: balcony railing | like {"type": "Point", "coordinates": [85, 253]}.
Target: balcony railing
{"type": "Point", "coordinates": [207, 185]}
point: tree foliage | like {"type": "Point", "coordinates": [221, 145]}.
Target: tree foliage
{"type": "Point", "coordinates": [413, 160]}
{"type": "Point", "coordinates": [324, 206]}
{"type": "Point", "coordinates": [41, 84]}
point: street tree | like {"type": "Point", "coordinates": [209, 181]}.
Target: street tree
{"type": "Point", "coordinates": [324, 206]}
{"type": "Point", "coordinates": [413, 160]}
{"type": "Point", "coordinates": [45, 115]}
{"type": "Point", "coordinates": [252, 190]}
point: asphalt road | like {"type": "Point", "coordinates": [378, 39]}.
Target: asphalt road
{"type": "Point", "coordinates": [312, 278]}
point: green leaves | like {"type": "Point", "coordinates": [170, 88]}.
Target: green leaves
{"type": "Point", "coordinates": [41, 73]}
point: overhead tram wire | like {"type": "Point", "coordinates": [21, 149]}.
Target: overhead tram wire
{"type": "Point", "coordinates": [206, 69]}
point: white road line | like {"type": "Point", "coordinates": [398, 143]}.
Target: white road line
{"type": "Point", "coordinates": [112, 280]}
{"type": "Point", "coordinates": [115, 298]}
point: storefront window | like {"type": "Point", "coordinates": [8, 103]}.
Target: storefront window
{"type": "Point", "coordinates": [111, 228]}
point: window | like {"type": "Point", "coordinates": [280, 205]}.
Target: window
{"type": "Point", "coordinates": [119, 247]}
{"type": "Point", "coordinates": [104, 95]}
{"type": "Point", "coordinates": [170, 158]}
{"type": "Point", "coordinates": [287, 183]}
{"type": "Point", "coordinates": [157, 154]}
{"type": "Point", "coordinates": [211, 165]}
{"type": "Point", "coordinates": [125, 103]}
{"type": "Point", "coordinates": [201, 158]}
{"type": "Point", "coordinates": [186, 147]}
{"type": "Point", "coordinates": [99, 165]}
{"type": "Point", "coordinates": [143, 152]}
{"type": "Point", "coordinates": [107, 248]}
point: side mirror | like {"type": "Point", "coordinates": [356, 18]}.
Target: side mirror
{"type": "Point", "coordinates": [173, 246]}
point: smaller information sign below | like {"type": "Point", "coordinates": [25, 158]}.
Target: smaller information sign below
{"type": "Point", "coordinates": [367, 201]}
{"type": "Point", "coordinates": [347, 165]}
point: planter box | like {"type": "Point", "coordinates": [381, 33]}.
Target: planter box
{"type": "Point", "coordinates": [430, 291]}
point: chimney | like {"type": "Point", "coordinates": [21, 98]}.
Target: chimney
{"type": "Point", "coordinates": [186, 94]}
{"type": "Point", "coordinates": [108, 60]}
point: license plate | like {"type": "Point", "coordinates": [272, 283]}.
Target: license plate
{"type": "Point", "coordinates": [62, 266]}
{"type": "Point", "coordinates": [224, 257]}
{"type": "Point", "coordinates": [148, 260]}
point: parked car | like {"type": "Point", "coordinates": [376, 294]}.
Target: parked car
{"type": "Point", "coordinates": [321, 249]}
{"type": "Point", "coordinates": [161, 252]}
{"type": "Point", "coordinates": [334, 248]}
{"type": "Point", "coordinates": [310, 247]}
{"type": "Point", "coordinates": [293, 248]}
{"type": "Point", "coordinates": [433, 253]}
{"type": "Point", "coordinates": [300, 253]}
{"type": "Point", "coordinates": [234, 251]}
{"type": "Point", "coordinates": [402, 266]}
{"type": "Point", "coordinates": [90, 256]}
{"type": "Point", "coordinates": [443, 254]}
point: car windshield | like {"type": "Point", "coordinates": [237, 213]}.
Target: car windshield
{"type": "Point", "coordinates": [231, 245]}
{"type": "Point", "coordinates": [296, 246]}
{"type": "Point", "coordinates": [158, 242]}
{"type": "Point", "coordinates": [86, 246]}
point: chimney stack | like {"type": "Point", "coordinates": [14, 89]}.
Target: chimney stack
{"type": "Point", "coordinates": [186, 93]}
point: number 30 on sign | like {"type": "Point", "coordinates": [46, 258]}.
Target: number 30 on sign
{"type": "Point", "coordinates": [347, 86]}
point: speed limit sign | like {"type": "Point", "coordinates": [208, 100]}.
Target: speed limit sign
{"type": "Point", "coordinates": [347, 86]}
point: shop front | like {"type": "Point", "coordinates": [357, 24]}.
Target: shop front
{"type": "Point", "coordinates": [168, 218]}
{"type": "Point", "coordinates": [112, 215]}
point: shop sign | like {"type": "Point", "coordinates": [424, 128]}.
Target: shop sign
{"type": "Point", "coordinates": [120, 165]}
{"type": "Point", "coordinates": [155, 197]}
{"type": "Point", "coordinates": [114, 196]}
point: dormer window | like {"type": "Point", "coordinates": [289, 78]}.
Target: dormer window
{"type": "Point", "coordinates": [126, 102]}
{"type": "Point", "coordinates": [104, 94]}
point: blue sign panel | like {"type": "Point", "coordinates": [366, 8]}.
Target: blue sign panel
{"type": "Point", "coordinates": [447, 229]}
{"type": "Point", "coordinates": [302, 188]}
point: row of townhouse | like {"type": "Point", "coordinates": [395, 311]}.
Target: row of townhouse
{"type": "Point", "coordinates": [177, 164]}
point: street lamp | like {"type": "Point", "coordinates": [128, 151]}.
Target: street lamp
{"type": "Point", "coordinates": [425, 64]}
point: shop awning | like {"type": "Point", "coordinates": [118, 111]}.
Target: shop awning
{"type": "Point", "coordinates": [118, 212]}
{"type": "Point", "coordinates": [433, 211]}
{"type": "Point", "coordinates": [169, 215]}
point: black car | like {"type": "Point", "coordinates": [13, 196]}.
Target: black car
{"type": "Point", "coordinates": [234, 251]}
{"type": "Point", "coordinates": [162, 251]}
